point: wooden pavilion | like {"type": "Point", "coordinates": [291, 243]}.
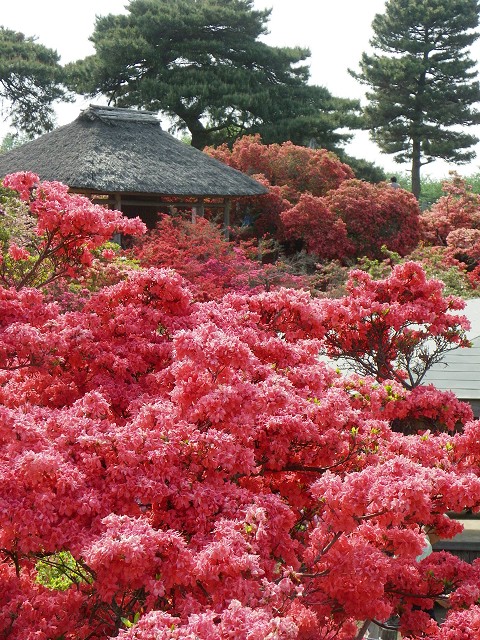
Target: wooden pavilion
{"type": "Point", "coordinates": [123, 159]}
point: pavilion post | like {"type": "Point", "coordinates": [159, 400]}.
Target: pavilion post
{"type": "Point", "coordinates": [117, 237]}
{"type": "Point", "coordinates": [226, 218]}
{"type": "Point", "coordinates": [198, 210]}
{"type": "Point", "coordinates": [118, 201]}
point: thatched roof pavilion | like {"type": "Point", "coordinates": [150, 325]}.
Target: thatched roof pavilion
{"type": "Point", "coordinates": [121, 157]}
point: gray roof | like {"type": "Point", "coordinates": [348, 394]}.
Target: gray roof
{"type": "Point", "coordinates": [109, 150]}
{"type": "Point", "coordinates": [459, 370]}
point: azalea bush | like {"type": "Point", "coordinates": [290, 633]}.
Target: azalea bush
{"type": "Point", "coordinates": [206, 475]}
{"type": "Point", "coordinates": [458, 208]}
{"type": "Point", "coordinates": [317, 228]}
{"type": "Point", "coordinates": [47, 234]}
{"type": "Point", "coordinates": [315, 203]}
{"type": "Point", "coordinates": [174, 467]}
{"type": "Point", "coordinates": [394, 328]}
{"type": "Point", "coordinates": [212, 266]}
{"type": "Point", "coordinates": [299, 169]}
{"type": "Point", "coordinates": [453, 222]}
{"type": "Point", "coordinates": [376, 216]}
{"type": "Point", "coordinates": [287, 170]}
{"type": "Point", "coordinates": [436, 261]}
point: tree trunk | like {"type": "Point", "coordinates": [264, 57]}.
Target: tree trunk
{"type": "Point", "coordinates": [200, 138]}
{"type": "Point", "coordinates": [416, 164]}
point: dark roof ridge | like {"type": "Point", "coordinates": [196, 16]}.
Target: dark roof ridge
{"type": "Point", "coordinates": [110, 115]}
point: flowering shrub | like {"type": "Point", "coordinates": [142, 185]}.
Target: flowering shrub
{"type": "Point", "coordinates": [287, 170]}
{"type": "Point", "coordinates": [459, 208]}
{"type": "Point", "coordinates": [376, 216]}
{"type": "Point", "coordinates": [438, 262]}
{"type": "Point", "coordinates": [207, 475]}
{"type": "Point", "coordinates": [464, 244]}
{"type": "Point", "coordinates": [178, 468]}
{"type": "Point", "coordinates": [300, 169]}
{"type": "Point", "coordinates": [321, 231]}
{"type": "Point", "coordinates": [423, 409]}
{"type": "Point", "coordinates": [199, 252]}
{"type": "Point", "coordinates": [454, 223]}
{"type": "Point", "coordinates": [195, 250]}
{"type": "Point", "coordinates": [314, 198]}
{"type": "Point", "coordinates": [394, 328]}
{"type": "Point", "coordinates": [47, 233]}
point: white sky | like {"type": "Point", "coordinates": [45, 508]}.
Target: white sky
{"type": "Point", "coordinates": [335, 31]}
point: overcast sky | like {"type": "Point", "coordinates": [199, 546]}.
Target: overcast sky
{"type": "Point", "coordinates": [335, 31]}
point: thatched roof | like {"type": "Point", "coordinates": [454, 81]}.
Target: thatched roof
{"type": "Point", "coordinates": [111, 150]}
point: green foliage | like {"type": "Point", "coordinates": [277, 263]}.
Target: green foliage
{"type": "Point", "coordinates": [431, 191]}
{"type": "Point", "coordinates": [363, 169]}
{"type": "Point", "coordinates": [422, 81]}
{"type": "Point", "coordinates": [404, 181]}
{"type": "Point", "coordinates": [129, 623]}
{"type": "Point", "coordinates": [11, 141]}
{"type": "Point", "coordinates": [60, 570]}
{"type": "Point", "coordinates": [378, 268]}
{"type": "Point", "coordinates": [202, 63]}
{"type": "Point", "coordinates": [474, 182]}
{"type": "Point", "coordinates": [30, 82]}
{"type": "Point", "coordinates": [16, 223]}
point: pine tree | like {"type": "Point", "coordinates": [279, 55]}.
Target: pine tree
{"type": "Point", "coordinates": [202, 64]}
{"type": "Point", "coordinates": [422, 81]}
{"type": "Point", "coordinates": [30, 82]}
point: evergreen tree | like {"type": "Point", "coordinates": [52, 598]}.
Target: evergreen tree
{"type": "Point", "coordinates": [11, 141]}
{"type": "Point", "coordinates": [202, 63]}
{"type": "Point", "coordinates": [30, 82]}
{"type": "Point", "coordinates": [422, 81]}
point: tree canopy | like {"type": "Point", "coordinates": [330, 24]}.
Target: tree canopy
{"type": "Point", "coordinates": [30, 82]}
{"type": "Point", "coordinates": [204, 65]}
{"type": "Point", "coordinates": [422, 81]}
